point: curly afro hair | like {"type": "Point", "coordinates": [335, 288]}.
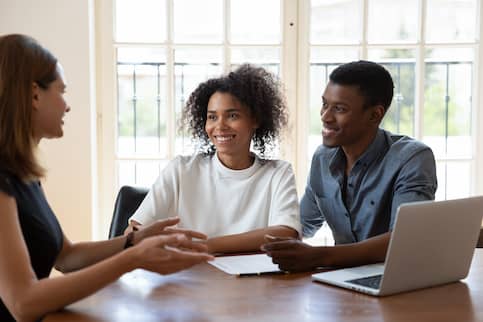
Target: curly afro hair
{"type": "Point", "coordinates": [255, 88]}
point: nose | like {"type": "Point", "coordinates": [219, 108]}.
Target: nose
{"type": "Point", "coordinates": [325, 115]}
{"type": "Point", "coordinates": [221, 123]}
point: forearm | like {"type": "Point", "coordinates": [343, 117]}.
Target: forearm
{"type": "Point", "coordinates": [51, 294]}
{"type": "Point", "coordinates": [84, 254]}
{"type": "Point", "coordinates": [369, 251]}
{"type": "Point", "coordinates": [249, 241]}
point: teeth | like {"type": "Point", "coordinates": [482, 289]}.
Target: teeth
{"type": "Point", "coordinates": [225, 138]}
{"type": "Point", "coordinates": [326, 131]}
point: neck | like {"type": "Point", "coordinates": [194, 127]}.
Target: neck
{"type": "Point", "coordinates": [353, 152]}
{"type": "Point", "coordinates": [236, 162]}
{"type": "Point", "coordinates": [36, 140]}
{"type": "Point", "coordinates": [36, 136]}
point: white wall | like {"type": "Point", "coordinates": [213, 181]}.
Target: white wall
{"type": "Point", "coordinates": [64, 27]}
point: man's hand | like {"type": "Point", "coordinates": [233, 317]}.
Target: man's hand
{"type": "Point", "coordinates": [292, 254]}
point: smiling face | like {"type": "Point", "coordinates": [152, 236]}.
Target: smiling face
{"type": "Point", "coordinates": [230, 127]}
{"type": "Point", "coordinates": [49, 107]}
{"type": "Point", "coordinates": [346, 121]}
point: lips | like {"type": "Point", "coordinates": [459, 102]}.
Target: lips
{"type": "Point", "coordinates": [328, 131]}
{"type": "Point", "coordinates": [224, 138]}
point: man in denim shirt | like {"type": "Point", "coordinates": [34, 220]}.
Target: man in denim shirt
{"type": "Point", "coordinates": [359, 176]}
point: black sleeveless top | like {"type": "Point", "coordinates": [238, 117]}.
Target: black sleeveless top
{"type": "Point", "coordinates": [40, 228]}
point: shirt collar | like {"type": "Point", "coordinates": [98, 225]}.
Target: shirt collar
{"type": "Point", "coordinates": [373, 151]}
{"type": "Point", "coordinates": [226, 172]}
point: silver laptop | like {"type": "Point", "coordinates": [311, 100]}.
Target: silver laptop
{"type": "Point", "coordinates": [432, 243]}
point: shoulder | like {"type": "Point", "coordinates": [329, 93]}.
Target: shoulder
{"type": "Point", "coordinates": [324, 153]}
{"type": "Point", "coordinates": [278, 174]}
{"type": "Point", "coordinates": [188, 161]}
{"type": "Point", "coordinates": [7, 182]}
{"type": "Point", "coordinates": [190, 165]}
{"type": "Point", "coordinates": [405, 146]}
{"type": "Point", "coordinates": [274, 165]}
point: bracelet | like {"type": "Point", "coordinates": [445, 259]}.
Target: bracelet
{"type": "Point", "coordinates": [129, 240]}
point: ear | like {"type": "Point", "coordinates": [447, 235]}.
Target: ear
{"type": "Point", "coordinates": [377, 113]}
{"type": "Point", "coordinates": [36, 96]}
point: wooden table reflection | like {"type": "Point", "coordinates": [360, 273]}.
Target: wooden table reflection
{"type": "Point", "coordinates": [204, 293]}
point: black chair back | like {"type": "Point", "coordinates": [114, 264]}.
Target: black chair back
{"type": "Point", "coordinates": [127, 201]}
{"type": "Point", "coordinates": [479, 244]}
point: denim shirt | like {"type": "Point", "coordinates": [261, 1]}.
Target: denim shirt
{"type": "Point", "coordinates": [393, 170]}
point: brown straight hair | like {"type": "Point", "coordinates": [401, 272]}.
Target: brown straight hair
{"type": "Point", "coordinates": [23, 62]}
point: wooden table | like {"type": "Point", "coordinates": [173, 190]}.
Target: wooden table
{"type": "Point", "coordinates": [204, 293]}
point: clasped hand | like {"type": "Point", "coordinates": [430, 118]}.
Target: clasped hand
{"type": "Point", "coordinates": [165, 249]}
{"type": "Point", "coordinates": [290, 254]}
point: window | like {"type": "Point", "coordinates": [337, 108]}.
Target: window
{"type": "Point", "coordinates": [159, 65]}
{"type": "Point", "coordinates": [155, 52]}
{"type": "Point", "coordinates": [431, 60]}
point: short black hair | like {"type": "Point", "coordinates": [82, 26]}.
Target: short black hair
{"type": "Point", "coordinates": [373, 80]}
{"type": "Point", "coordinates": [255, 88]}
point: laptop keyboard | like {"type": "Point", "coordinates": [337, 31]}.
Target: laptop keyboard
{"type": "Point", "coordinates": [371, 281]}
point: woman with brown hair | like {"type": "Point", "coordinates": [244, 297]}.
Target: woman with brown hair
{"type": "Point", "coordinates": [32, 107]}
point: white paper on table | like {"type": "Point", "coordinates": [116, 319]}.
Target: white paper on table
{"type": "Point", "coordinates": [244, 265]}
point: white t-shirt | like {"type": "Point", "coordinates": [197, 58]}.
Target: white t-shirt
{"type": "Point", "coordinates": [215, 200]}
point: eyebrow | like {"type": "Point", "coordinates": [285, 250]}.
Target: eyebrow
{"type": "Point", "coordinates": [336, 102]}
{"type": "Point", "coordinates": [226, 111]}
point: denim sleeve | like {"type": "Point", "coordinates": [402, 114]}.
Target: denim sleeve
{"type": "Point", "coordinates": [310, 215]}
{"type": "Point", "coordinates": [416, 181]}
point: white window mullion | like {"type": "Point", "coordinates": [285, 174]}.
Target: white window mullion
{"type": "Point", "coordinates": [301, 123]}
{"type": "Point", "coordinates": [365, 28]}
{"type": "Point", "coordinates": [226, 36]}
{"type": "Point", "coordinates": [288, 63]}
{"type": "Point", "coordinates": [420, 71]}
{"type": "Point", "coordinates": [170, 84]}
{"type": "Point", "coordinates": [106, 117]}
{"type": "Point", "coordinates": [478, 105]}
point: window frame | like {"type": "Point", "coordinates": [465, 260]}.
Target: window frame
{"type": "Point", "coordinates": [419, 46]}
{"type": "Point", "coordinates": [294, 72]}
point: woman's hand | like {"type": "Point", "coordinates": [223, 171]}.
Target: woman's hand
{"type": "Point", "coordinates": [166, 254]}
{"type": "Point", "coordinates": [164, 227]}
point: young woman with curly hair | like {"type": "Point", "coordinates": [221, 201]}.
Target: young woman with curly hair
{"type": "Point", "coordinates": [224, 190]}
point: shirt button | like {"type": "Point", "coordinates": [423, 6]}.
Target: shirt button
{"type": "Point", "coordinates": [350, 185]}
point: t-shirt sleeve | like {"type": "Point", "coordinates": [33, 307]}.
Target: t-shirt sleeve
{"type": "Point", "coordinates": [5, 185]}
{"type": "Point", "coordinates": [160, 200]}
{"type": "Point", "coordinates": [415, 182]}
{"type": "Point", "coordinates": [284, 209]}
